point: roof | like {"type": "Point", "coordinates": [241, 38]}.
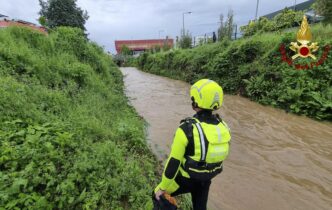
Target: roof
{"type": "Point", "coordinates": [7, 23]}
{"type": "Point", "coordinates": [24, 22]}
{"type": "Point", "coordinates": [302, 6]}
{"type": "Point", "coordinates": [139, 45]}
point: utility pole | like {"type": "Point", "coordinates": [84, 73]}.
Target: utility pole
{"type": "Point", "coordinates": [256, 10]}
{"type": "Point", "coordinates": [295, 5]}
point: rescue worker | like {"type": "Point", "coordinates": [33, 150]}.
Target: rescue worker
{"type": "Point", "coordinates": [200, 145]}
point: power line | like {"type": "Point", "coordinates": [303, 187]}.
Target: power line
{"type": "Point", "coordinates": [203, 24]}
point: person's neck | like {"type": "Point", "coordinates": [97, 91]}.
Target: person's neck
{"type": "Point", "coordinates": [204, 112]}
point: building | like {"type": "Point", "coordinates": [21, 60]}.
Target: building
{"type": "Point", "coordinates": [5, 21]}
{"type": "Point", "coordinates": [138, 46]}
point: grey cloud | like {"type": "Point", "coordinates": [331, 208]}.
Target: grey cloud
{"type": "Point", "coordinates": [143, 19]}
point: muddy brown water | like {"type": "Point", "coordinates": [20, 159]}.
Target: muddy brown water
{"type": "Point", "coordinates": [278, 161]}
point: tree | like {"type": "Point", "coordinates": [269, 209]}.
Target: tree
{"type": "Point", "coordinates": [229, 24]}
{"type": "Point", "coordinates": [324, 8]}
{"type": "Point", "coordinates": [266, 25]}
{"type": "Point", "coordinates": [221, 29]}
{"type": "Point", "coordinates": [125, 50]}
{"type": "Point", "coordinates": [225, 29]}
{"type": "Point", "coordinates": [63, 13]}
{"type": "Point", "coordinates": [185, 41]}
{"type": "Point", "coordinates": [42, 21]}
{"type": "Point", "coordinates": [286, 19]}
{"type": "Point", "coordinates": [249, 29]}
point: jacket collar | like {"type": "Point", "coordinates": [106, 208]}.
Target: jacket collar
{"type": "Point", "coordinates": [206, 116]}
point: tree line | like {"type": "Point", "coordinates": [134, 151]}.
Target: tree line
{"type": "Point", "coordinates": [286, 19]}
{"type": "Point", "coordinates": [224, 31]}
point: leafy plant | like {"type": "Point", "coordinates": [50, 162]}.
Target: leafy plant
{"type": "Point", "coordinates": [286, 19]}
{"type": "Point", "coordinates": [253, 68]}
{"type": "Point", "coordinates": [55, 13]}
{"type": "Point", "coordinates": [68, 139]}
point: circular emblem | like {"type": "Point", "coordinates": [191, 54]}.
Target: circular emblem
{"type": "Point", "coordinates": [304, 51]}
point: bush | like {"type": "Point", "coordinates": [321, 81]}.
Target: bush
{"type": "Point", "coordinates": [253, 67]}
{"type": "Point", "coordinates": [286, 19]}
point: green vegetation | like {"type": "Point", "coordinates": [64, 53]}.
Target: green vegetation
{"type": "Point", "coordinates": [185, 41]}
{"type": "Point", "coordinates": [324, 8]}
{"type": "Point", "coordinates": [125, 50]}
{"type": "Point", "coordinates": [286, 19]}
{"type": "Point", "coordinates": [68, 138]}
{"type": "Point", "coordinates": [56, 13]}
{"type": "Point", "coordinates": [225, 30]}
{"type": "Point", "coordinates": [253, 67]}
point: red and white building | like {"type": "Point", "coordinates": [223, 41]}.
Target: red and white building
{"type": "Point", "coordinates": [142, 45]}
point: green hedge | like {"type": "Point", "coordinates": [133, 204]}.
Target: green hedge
{"type": "Point", "coordinates": [253, 67]}
{"type": "Point", "coordinates": [68, 139]}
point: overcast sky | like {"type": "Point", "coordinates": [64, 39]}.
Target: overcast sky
{"type": "Point", "coordinates": [147, 19]}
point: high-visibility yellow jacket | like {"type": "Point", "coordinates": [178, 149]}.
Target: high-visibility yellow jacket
{"type": "Point", "coordinates": [199, 147]}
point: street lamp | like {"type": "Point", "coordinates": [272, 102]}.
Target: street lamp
{"type": "Point", "coordinates": [183, 21]}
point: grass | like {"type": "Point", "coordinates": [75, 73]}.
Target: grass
{"type": "Point", "coordinates": [68, 138]}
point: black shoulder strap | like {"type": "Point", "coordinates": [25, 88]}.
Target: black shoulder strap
{"type": "Point", "coordinates": [187, 127]}
{"type": "Point", "coordinates": [222, 122]}
{"type": "Point", "coordinates": [187, 120]}
{"type": "Point", "coordinates": [218, 117]}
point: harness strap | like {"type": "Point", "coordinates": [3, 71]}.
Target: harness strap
{"type": "Point", "coordinates": [202, 141]}
{"type": "Point", "coordinates": [221, 121]}
{"type": "Point", "coordinates": [188, 129]}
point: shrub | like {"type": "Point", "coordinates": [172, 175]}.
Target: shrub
{"type": "Point", "coordinates": [68, 139]}
{"type": "Point", "coordinates": [253, 67]}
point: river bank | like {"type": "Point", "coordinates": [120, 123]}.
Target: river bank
{"type": "Point", "coordinates": [277, 160]}
{"type": "Point", "coordinates": [68, 138]}
{"type": "Point", "coordinates": [255, 67]}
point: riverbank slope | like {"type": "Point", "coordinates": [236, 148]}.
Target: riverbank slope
{"type": "Point", "coordinates": [254, 67]}
{"type": "Point", "coordinates": [68, 138]}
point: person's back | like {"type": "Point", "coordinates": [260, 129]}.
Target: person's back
{"type": "Point", "coordinates": [201, 144]}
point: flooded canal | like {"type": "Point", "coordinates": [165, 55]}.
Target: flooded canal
{"type": "Point", "coordinates": [277, 161]}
